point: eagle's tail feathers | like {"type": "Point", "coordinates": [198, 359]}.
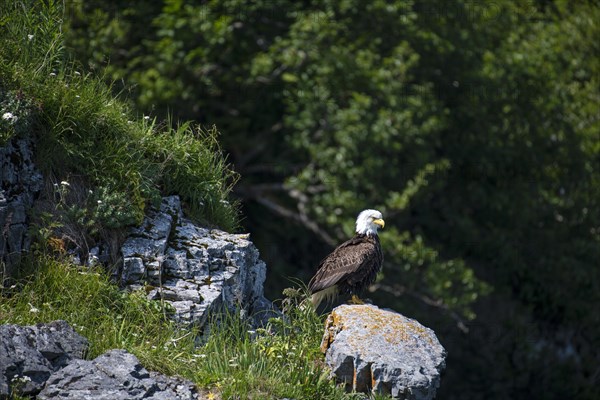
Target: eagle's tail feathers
{"type": "Point", "coordinates": [325, 294]}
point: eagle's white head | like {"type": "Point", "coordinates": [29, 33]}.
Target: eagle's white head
{"type": "Point", "coordinates": [368, 222]}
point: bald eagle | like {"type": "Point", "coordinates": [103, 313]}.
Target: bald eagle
{"type": "Point", "coordinates": [353, 265]}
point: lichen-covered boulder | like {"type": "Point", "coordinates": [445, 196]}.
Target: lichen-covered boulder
{"type": "Point", "coordinates": [380, 351]}
{"type": "Point", "coordinates": [194, 269]}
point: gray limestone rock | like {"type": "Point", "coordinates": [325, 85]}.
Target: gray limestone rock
{"type": "Point", "coordinates": [380, 351]}
{"type": "Point", "coordinates": [20, 182]}
{"type": "Point", "coordinates": [196, 270]}
{"type": "Point", "coordinates": [114, 375]}
{"type": "Point", "coordinates": [30, 354]}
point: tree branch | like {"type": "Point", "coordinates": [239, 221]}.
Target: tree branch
{"type": "Point", "coordinates": [257, 193]}
{"type": "Point", "coordinates": [284, 212]}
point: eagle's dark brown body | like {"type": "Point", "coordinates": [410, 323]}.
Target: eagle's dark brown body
{"type": "Point", "coordinates": [349, 269]}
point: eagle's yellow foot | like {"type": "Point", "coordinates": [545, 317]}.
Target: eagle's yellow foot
{"type": "Point", "coordinates": [355, 300]}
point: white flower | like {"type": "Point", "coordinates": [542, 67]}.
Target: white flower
{"type": "Point", "coordinates": [52, 74]}
{"type": "Point", "coordinates": [146, 117]}
{"type": "Point", "coordinates": [8, 116]}
{"type": "Point", "coordinates": [22, 379]}
{"type": "Point", "coordinates": [30, 37]}
{"type": "Point", "coordinates": [77, 73]}
{"type": "Point", "coordinates": [33, 309]}
{"type": "Point", "coordinates": [99, 201]}
{"type": "Point", "coordinates": [65, 183]}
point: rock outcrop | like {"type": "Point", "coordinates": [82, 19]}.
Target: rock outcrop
{"type": "Point", "coordinates": [20, 182]}
{"type": "Point", "coordinates": [45, 361]}
{"type": "Point", "coordinates": [194, 269]}
{"type": "Point", "coordinates": [114, 375]}
{"type": "Point", "coordinates": [380, 351]}
{"type": "Point", "coordinates": [30, 354]}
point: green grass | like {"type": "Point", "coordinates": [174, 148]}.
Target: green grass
{"type": "Point", "coordinates": [98, 310]}
{"type": "Point", "coordinates": [281, 361]}
{"type": "Point", "coordinates": [85, 133]}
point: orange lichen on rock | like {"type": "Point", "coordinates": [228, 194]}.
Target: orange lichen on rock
{"type": "Point", "coordinates": [393, 327]}
{"type": "Point", "coordinates": [380, 351]}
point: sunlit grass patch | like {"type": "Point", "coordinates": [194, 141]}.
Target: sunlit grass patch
{"type": "Point", "coordinates": [96, 308]}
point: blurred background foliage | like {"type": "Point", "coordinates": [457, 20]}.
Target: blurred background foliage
{"type": "Point", "coordinates": [473, 126]}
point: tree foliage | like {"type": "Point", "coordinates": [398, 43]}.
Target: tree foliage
{"type": "Point", "coordinates": [472, 126]}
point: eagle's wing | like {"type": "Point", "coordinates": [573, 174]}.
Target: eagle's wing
{"type": "Point", "coordinates": [344, 261]}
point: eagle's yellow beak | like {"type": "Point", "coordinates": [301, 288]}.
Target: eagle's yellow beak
{"type": "Point", "coordinates": [379, 222]}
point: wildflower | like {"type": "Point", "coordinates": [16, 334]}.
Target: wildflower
{"type": "Point", "coordinates": [33, 309]}
{"type": "Point", "coordinates": [77, 73]}
{"type": "Point", "coordinates": [8, 116]}
{"type": "Point", "coordinates": [146, 117]}
{"type": "Point", "coordinates": [65, 183]}
{"type": "Point", "coordinates": [23, 379]}
{"type": "Point", "coordinates": [77, 96]}
{"type": "Point", "coordinates": [99, 202]}
{"type": "Point", "coordinates": [30, 37]}
{"type": "Point", "coordinates": [52, 74]}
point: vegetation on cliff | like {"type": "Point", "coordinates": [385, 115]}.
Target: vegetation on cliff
{"type": "Point", "coordinates": [88, 138]}
{"type": "Point", "coordinates": [473, 127]}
